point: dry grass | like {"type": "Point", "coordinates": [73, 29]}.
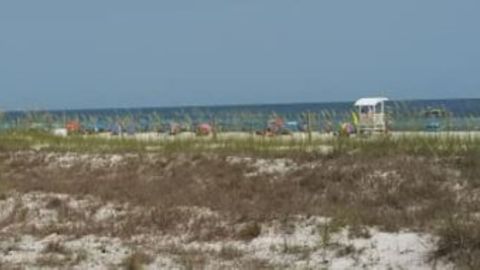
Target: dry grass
{"type": "Point", "coordinates": [391, 192]}
{"type": "Point", "coordinates": [230, 253]}
{"type": "Point", "coordinates": [55, 254]}
{"type": "Point", "coordinates": [249, 231]}
{"type": "Point", "coordinates": [136, 261]}
{"type": "Point", "coordinates": [383, 188]}
{"type": "Point", "coordinates": [192, 259]}
{"type": "Point", "coordinates": [56, 247]}
{"type": "Point", "coordinates": [460, 241]}
{"type": "Point", "coordinates": [50, 261]}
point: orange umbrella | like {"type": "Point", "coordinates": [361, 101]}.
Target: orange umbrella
{"type": "Point", "coordinates": [72, 126]}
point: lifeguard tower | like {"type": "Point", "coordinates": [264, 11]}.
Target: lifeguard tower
{"type": "Point", "coordinates": [371, 115]}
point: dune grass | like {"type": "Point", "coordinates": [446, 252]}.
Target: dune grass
{"type": "Point", "coordinates": [444, 145]}
{"type": "Point", "coordinates": [419, 183]}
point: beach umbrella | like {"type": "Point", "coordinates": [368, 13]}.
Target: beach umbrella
{"type": "Point", "coordinates": [73, 126]}
{"type": "Point", "coordinates": [204, 129]}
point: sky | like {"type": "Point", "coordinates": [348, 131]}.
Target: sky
{"type": "Point", "coordinates": [114, 53]}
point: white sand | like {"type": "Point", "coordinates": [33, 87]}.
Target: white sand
{"type": "Point", "coordinates": [300, 246]}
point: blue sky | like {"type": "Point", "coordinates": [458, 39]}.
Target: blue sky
{"type": "Point", "coordinates": [114, 53]}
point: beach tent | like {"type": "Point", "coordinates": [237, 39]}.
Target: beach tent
{"type": "Point", "coordinates": [371, 114]}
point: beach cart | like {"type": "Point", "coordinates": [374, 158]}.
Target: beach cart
{"type": "Point", "coordinates": [371, 115]}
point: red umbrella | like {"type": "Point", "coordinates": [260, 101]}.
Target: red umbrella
{"type": "Point", "coordinates": [204, 129]}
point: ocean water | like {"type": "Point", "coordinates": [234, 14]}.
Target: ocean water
{"type": "Point", "coordinates": [462, 114]}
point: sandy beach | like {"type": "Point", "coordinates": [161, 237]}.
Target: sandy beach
{"type": "Point", "coordinates": [295, 136]}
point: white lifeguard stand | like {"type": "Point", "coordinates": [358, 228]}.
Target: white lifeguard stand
{"type": "Point", "coordinates": [371, 114]}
